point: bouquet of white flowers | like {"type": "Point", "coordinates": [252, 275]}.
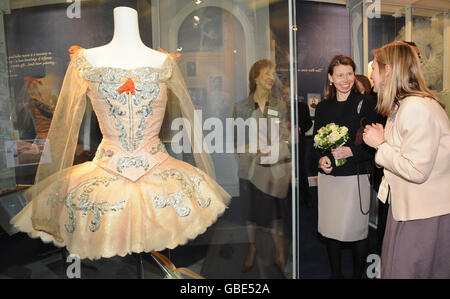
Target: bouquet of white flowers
{"type": "Point", "coordinates": [330, 137]}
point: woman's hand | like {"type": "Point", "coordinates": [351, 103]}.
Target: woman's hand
{"type": "Point", "coordinates": [373, 135]}
{"type": "Point", "coordinates": [325, 164]}
{"type": "Point", "coordinates": [342, 152]}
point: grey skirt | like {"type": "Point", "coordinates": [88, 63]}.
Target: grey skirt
{"type": "Point", "coordinates": [416, 248]}
{"type": "Point", "coordinates": [339, 210]}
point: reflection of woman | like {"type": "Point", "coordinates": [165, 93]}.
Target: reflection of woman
{"type": "Point", "coordinates": [35, 104]}
{"type": "Point", "coordinates": [414, 150]}
{"type": "Point", "coordinates": [344, 191]}
{"type": "Point", "coordinates": [264, 184]}
{"type": "Point", "coordinates": [32, 116]}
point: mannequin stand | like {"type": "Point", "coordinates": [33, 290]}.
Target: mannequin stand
{"type": "Point", "coordinates": [139, 265]}
{"type": "Point", "coordinates": [64, 255]}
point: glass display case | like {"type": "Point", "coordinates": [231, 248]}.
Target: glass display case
{"type": "Point", "coordinates": [227, 53]}
{"type": "Point", "coordinates": [214, 45]}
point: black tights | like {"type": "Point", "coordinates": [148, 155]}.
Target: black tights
{"type": "Point", "coordinates": [360, 250]}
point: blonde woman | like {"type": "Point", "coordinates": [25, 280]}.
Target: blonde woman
{"type": "Point", "coordinates": [414, 149]}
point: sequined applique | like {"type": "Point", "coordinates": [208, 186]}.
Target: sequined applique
{"type": "Point", "coordinates": [84, 205]}
{"type": "Point", "coordinates": [160, 148]}
{"type": "Point", "coordinates": [106, 91]}
{"type": "Point", "coordinates": [114, 75]}
{"type": "Point", "coordinates": [137, 162]}
{"type": "Point", "coordinates": [197, 181]}
{"type": "Point", "coordinates": [174, 200]}
{"type": "Point", "coordinates": [130, 140]}
{"type": "Point", "coordinates": [146, 87]}
{"type": "Point", "coordinates": [101, 153]}
{"type": "Point", "coordinates": [190, 185]}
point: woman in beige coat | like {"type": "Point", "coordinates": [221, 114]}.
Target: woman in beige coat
{"type": "Point", "coordinates": [263, 183]}
{"type": "Point", "coordinates": [414, 149]}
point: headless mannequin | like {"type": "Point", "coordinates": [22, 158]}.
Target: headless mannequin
{"type": "Point", "coordinates": [126, 50]}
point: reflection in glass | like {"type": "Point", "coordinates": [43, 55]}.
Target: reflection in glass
{"type": "Point", "coordinates": [428, 28]}
{"type": "Point", "coordinates": [389, 27]}
{"type": "Point", "coordinates": [218, 41]}
{"type": "Point", "coordinates": [265, 186]}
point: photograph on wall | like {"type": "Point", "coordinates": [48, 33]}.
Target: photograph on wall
{"type": "Point", "coordinates": [26, 152]}
{"type": "Point", "coordinates": [191, 69]}
{"type": "Point", "coordinates": [313, 101]}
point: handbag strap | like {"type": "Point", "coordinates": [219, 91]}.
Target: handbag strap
{"type": "Point", "coordinates": [371, 190]}
{"type": "Point", "coordinates": [360, 130]}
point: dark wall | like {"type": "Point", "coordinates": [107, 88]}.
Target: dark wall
{"type": "Point", "coordinates": [323, 32]}
{"type": "Point", "coordinates": [48, 29]}
{"type": "Point", "coordinates": [383, 30]}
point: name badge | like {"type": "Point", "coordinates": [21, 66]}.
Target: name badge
{"type": "Point", "coordinates": [272, 112]}
{"type": "Point", "coordinates": [383, 191]}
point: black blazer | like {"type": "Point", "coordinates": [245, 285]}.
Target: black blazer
{"type": "Point", "coordinates": [346, 114]}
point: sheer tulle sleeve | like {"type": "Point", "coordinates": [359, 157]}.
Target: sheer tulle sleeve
{"type": "Point", "coordinates": [59, 152]}
{"type": "Point", "coordinates": [22, 113]}
{"type": "Point", "coordinates": [178, 87]}
{"type": "Point", "coordinates": [202, 159]}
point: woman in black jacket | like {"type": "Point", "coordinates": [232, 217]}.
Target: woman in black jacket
{"type": "Point", "coordinates": [344, 191]}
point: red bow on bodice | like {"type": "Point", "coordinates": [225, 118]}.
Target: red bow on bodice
{"type": "Point", "coordinates": [127, 87]}
{"type": "Point", "coordinates": [73, 50]}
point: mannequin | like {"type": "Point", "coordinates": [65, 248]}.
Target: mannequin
{"type": "Point", "coordinates": [126, 50]}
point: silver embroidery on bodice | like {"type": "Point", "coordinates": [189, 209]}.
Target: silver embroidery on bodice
{"type": "Point", "coordinates": [129, 111]}
{"type": "Point", "coordinates": [137, 162]}
{"type": "Point", "coordinates": [126, 108]}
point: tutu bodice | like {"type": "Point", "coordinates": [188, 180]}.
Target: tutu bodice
{"type": "Point", "coordinates": [130, 106]}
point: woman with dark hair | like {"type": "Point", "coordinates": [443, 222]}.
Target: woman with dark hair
{"type": "Point", "coordinates": [414, 149]}
{"type": "Point", "coordinates": [344, 191]}
{"type": "Point", "coordinates": [363, 84]}
{"type": "Point", "coordinates": [264, 185]}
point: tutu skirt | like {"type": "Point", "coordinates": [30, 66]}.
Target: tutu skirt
{"type": "Point", "coordinates": [105, 214]}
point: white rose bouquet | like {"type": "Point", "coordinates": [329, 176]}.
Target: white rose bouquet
{"type": "Point", "coordinates": [330, 137]}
